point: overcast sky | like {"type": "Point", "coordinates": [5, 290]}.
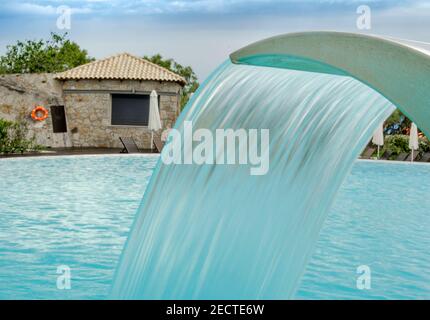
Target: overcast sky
{"type": "Point", "coordinates": [202, 33]}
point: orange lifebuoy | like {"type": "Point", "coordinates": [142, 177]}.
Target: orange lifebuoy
{"type": "Point", "coordinates": [36, 111]}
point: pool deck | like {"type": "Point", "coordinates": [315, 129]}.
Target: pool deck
{"type": "Point", "coordinates": [70, 152]}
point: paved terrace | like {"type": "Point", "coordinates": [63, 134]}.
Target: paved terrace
{"type": "Point", "coordinates": [69, 151]}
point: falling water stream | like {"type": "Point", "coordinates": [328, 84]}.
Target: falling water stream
{"type": "Point", "coordinates": [217, 232]}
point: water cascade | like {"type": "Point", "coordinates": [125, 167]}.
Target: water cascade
{"type": "Point", "coordinates": [218, 232]}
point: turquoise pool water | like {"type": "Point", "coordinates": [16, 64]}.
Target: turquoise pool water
{"type": "Point", "coordinates": [66, 211]}
{"type": "Point", "coordinates": [76, 211]}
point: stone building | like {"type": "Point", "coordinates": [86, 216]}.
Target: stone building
{"type": "Point", "coordinates": [94, 104]}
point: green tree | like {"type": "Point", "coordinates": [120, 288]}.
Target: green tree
{"type": "Point", "coordinates": [184, 71]}
{"type": "Point", "coordinates": [36, 56]}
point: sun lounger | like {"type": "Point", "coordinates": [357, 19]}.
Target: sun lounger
{"type": "Point", "coordinates": [402, 157]}
{"type": "Point", "coordinates": [158, 144]}
{"type": "Point", "coordinates": [425, 157]}
{"type": "Point", "coordinates": [368, 153]}
{"type": "Point", "coordinates": [129, 145]}
{"type": "Point", "coordinates": [416, 156]}
{"type": "Point", "coordinates": [386, 156]}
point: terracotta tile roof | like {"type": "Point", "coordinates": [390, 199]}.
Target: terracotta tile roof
{"type": "Point", "coordinates": [122, 66]}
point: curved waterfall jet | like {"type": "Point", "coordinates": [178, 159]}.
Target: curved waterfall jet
{"type": "Point", "coordinates": [215, 231]}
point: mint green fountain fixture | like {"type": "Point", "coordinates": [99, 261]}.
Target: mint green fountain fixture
{"type": "Point", "coordinates": [398, 69]}
{"type": "Point", "coordinates": [217, 232]}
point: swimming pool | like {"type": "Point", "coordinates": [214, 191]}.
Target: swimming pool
{"type": "Point", "coordinates": [77, 211]}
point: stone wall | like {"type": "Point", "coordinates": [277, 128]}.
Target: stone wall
{"type": "Point", "coordinates": [19, 94]}
{"type": "Point", "coordinates": [87, 106]}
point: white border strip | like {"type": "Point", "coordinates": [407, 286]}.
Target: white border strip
{"type": "Point", "coordinates": [409, 163]}
{"type": "Point", "coordinates": [156, 155]}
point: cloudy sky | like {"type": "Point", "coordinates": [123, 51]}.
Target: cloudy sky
{"type": "Point", "coordinates": [202, 33]}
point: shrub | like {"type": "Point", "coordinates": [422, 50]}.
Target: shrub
{"type": "Point", "coordinates": [399, 143]}
{"type": "Point", "coordinates": [5, 127]}
{"type": "Point", "coordinates": [424, 144]}
{"type": "Point", "coordinates": [14, 137]}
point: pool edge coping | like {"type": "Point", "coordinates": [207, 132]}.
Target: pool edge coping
{"type": "Point", "coordinates": [393, 162]}
{"type": "Point", "coordinates": [155, 155]}
{"type": "Point", "coordinates": [44, 157]}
